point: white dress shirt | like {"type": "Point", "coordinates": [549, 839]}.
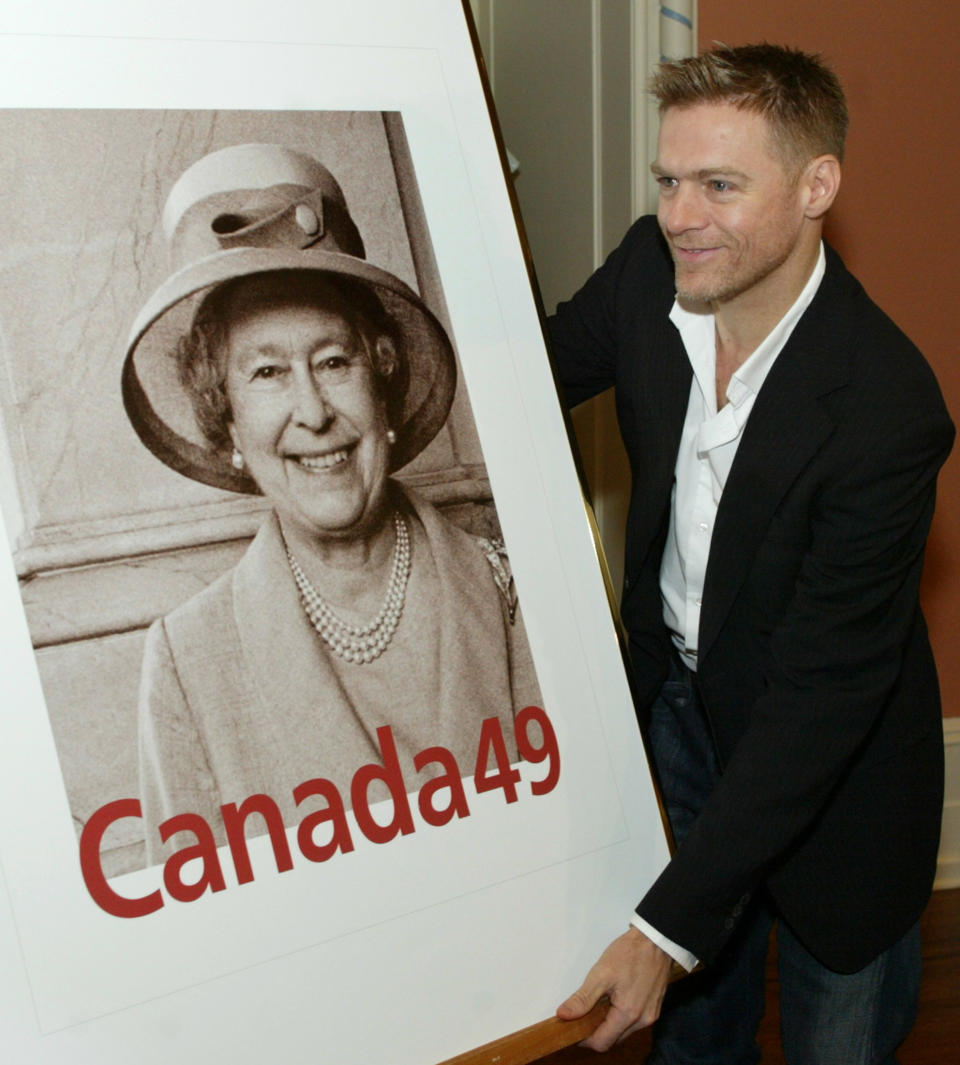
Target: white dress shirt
{"type": "Point", "coordinates": [708, 446]}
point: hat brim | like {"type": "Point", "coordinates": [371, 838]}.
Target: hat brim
{"type": "Point", "coordinates": [160, 409]}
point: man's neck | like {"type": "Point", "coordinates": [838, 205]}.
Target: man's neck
{"type": "Point", "coordinates": [743, 322]}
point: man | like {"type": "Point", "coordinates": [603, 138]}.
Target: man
{"type": "Point", "coordinates": [785, 439]}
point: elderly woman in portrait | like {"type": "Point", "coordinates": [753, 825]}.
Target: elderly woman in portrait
{"type": "Point", "coordinates": [311, 376]}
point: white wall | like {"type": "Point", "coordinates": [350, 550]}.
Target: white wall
{"type": "Point", "coordinates": [564, 82]}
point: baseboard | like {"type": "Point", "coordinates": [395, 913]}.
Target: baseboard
{"type": "Point", "coordinates": [948, 862]}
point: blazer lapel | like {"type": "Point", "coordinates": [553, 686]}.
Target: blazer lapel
{"type": "Point", "coordinates": [787, 426]}
{"type": "Point", "coordinates": [306, 724]}
{"type": "Point", "coordinates": [653, 383]}
{"type": "Point", "coordinates": [660, 386]}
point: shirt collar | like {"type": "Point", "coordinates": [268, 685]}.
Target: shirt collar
{"type": "Point", "coordinates": [697, 332]}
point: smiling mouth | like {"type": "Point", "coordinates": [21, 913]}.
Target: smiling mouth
{"type": "Point", "coordinates": [318, 463]}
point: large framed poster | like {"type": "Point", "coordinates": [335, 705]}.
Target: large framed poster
{"type": "Point", "coordinates": [271, 356]}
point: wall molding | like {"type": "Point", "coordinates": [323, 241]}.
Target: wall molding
{"type": "Point", "coordinates": [107, 591]}
{"type": "Point", "coordinates": [70, 546]}
{"type": "Point", "coordinates": [948, 862]}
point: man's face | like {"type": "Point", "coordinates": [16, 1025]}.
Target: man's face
{"type": "Point", "coordinates": [729, 210]}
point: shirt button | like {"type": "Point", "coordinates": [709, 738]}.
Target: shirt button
{"type": "Point", "coordinates": [704, 527]}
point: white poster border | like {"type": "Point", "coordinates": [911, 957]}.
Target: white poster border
{"type": "Point", "coordinates": [268, 968]}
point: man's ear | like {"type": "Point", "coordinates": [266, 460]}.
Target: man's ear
{"type": "Point", "coordinates": [821, 183]}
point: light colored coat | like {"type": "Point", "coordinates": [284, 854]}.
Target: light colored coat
{"type": "Point", "coordinates": [238, 695]}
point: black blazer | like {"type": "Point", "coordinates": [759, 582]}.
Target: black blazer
{"type": "Point", "coordinates": [814, 663]}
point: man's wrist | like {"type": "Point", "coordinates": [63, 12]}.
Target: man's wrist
{"type": "Point", "coordinates": [680, 955]}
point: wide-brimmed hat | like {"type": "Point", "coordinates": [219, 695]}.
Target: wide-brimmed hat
{"type": "Point", "coordinates": [253, 209]}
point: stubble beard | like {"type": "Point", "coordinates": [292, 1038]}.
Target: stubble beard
{"type": "Point", "coordinates": [701, 289]}
{"type": "Point", "coordinates": [704, 290]}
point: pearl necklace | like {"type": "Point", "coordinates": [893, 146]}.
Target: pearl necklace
{"type": "Point", "coordinates": [360, 643]}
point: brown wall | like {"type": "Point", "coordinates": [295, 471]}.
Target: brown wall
{"type": "Point", "coordinates": [897, 222]}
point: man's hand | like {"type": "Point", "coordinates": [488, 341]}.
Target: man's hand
{"type": "Point", "coordinates": [634, 973]}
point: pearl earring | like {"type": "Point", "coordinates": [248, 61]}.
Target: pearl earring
{"type": "Point", "coordinates": [391, 436]}
{"type": "Point", "coordinates": [236, 460]}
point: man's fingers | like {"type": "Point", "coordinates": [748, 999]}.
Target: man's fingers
{"type": "Point", "coordinates": [580, 1003]}
{"type": "Point", "coordinates": [599, 982]}
{"type": "Point", "coordinates": [633, 971]}
{"type": "Point", "coordinates": [614, 1027]}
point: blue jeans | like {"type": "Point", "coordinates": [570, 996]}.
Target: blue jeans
{"type": "Point", "coordinates": [712, 1016]}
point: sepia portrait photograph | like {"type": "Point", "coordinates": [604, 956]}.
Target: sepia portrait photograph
{"type": "Point", "coordinates": [253, 345]}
